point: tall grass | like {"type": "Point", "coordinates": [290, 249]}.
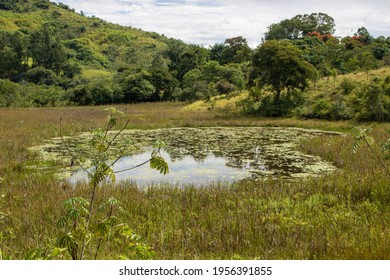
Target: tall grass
{"type": "Point", "coordinates": [345, 215]}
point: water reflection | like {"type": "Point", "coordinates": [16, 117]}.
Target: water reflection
{"type": "Point", "coordinates": [186, 170]}
{"type": "Point", "coordinates": [203, 155]}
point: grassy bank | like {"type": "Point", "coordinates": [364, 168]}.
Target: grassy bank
{"type": "Point", "coordinates": [345, 215]}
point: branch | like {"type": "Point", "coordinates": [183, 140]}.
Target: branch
{"type": "Point", "coordinates": [70, 151]}
{"type": "Point", "coordinates": [378, 158]}
{"type": "Point", "coordinates": [139, 165]}
{"type": "Point", "coordinates": [116, 135]}
{"type": "Point", "coordinates": [134, 167]}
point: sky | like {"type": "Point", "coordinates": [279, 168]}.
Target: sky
{"type": "Point", "coordinates": [206, 22]}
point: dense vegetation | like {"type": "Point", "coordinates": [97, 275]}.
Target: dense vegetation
{"type": "Point", "coordinates": [52, 56]}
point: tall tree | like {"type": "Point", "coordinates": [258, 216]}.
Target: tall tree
{"type": "Point", "coordinates": [47, 49]}
{"type": "Point", "coordinates": [300, 25]}
{"type": "Point", "coordinates": [236, 50]}
{"type": "Point", "coordinates": [279, 64]}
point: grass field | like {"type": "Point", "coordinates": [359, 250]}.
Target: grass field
{"type": "Point", "coordinates": [345, 215]}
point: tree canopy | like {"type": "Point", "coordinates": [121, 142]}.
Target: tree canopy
{"type": "Point", "coordinates": [301, 25]}
{"type": "Point", "coordinates": [279, 64]}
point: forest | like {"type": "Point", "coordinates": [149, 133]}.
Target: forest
{"type": "Point", "coordinates": [52, 56]}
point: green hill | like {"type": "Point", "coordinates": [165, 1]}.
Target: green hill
{"type": "Point", "coordinates": [52, 56]}
{"type": "Point", "coordinates": [60, 57]}
{"type": "Point", "coordinates": [92, 41]}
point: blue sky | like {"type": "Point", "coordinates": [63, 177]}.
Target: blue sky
{"type": "Point", "coordinates": [207, 22]}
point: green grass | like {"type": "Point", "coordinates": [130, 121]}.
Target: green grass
{"type": "Point", "coordinates": [345, 215]}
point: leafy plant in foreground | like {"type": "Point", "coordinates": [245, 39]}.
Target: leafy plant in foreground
{"type": "Point", "coordinates": [81, 226]}
{"type": "Point", "coordinates": [361, 136]}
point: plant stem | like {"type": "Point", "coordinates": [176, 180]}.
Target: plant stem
{"type": "Point", "coordinates": [88, 219]}
{"type": "Point", "coordinates": [376, 155]}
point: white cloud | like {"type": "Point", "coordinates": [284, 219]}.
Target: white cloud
{"type": "Point", "coordinates": [209, 21]}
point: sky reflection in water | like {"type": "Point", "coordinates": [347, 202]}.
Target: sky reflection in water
{"type": "Point", "coordinates": [203, 155]}
{"type": "Point", "coordinates": [186, 170]}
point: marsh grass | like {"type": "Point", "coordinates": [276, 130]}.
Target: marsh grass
{"type": "Point", "coordinates": [345, 215]}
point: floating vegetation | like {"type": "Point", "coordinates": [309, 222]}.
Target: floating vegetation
{"type": "Point", "coordinates": [204, 155]}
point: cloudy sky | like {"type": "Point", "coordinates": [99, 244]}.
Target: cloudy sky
{"type": "Point", "coordinates": [207, 22]}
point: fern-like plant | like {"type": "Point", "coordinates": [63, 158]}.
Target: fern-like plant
{"type": "Point", "coordinates": [361, 136]}
{"type": "Point", "coordinates": [79, 227]}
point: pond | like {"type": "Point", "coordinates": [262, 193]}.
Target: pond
{"type": "Point", "coordinates": [199, 156]}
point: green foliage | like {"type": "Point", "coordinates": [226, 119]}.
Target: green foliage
{"type": "Point", "coordinates": [144, 66]}
{"type": "Point", "coordinates": [271, 105]}
{"type": "Point", "coordinates": [375, 101]}
{"type": "Point", "coordinates": [71, 69]}
{"type": "Point", "coordinates": [280, 65]}
{"type": "Point", "coordinates": [136, 87]}
{"type": "Point", "coordinates": [347, 85]}
{"type": "Point", "coordinates": [361, 136]}
{"type": "Point", "coordinates": [81, 226]}
{"type": "Point", "coordinates": [386, 148]}
{"type": "Point", "coordinates": [41, 76]}
{"type": "Point", "coordinates": [234, 50]}
{"type": "Point", "coordinates": [300, 25]}
{"type": "Point", "coordinates": [47, 49]}
{"type": "Point", "coordinates": [8, 93]}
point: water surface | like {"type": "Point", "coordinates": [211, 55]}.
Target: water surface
{"type": "Point", "coordinates": [204, 155]}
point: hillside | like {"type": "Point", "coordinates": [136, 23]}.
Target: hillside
{"type": "Point", "coordinates": [93, 42]}
{"type": "Point", "coordinates": [52, 56]}
{"type": "Point", "coordinates": [336, 98]}
{"type": "Point", "coordinates": [40, 37]}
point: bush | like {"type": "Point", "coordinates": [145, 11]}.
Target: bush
{"type": "Point", "coordinates": [41, 96]}
{"type": "Point", "coordinates": [224, 87]}
{"type": "Point", "coordinates": [81, 95]}
{"type": "Point", "coordinates": [41, 76]}
{"type": "Point", "coordinates": [8, 93]}
{"type": "Point", "coordinates": [347, 85]}
{"type": "Point", "coordinates": [272, 105]}
{"type": "Point", "coordinates": [375, 104]}
{"type": "Point", "coordinates": [102, 92]}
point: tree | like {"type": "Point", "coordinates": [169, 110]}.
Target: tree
{"type": "Point", "coordinates": [101, 92]}
{"type": "Point", "coordinates": [300, 25]}
{"type": "Point", "coordinates": [364, 36]}
{"type": "Point", "coordinates": [42, 76]}
{"type": "Point", "coordinates": [137, 87]}
{"type": "Point", "coordinates": [47, 49]}
{"type": "Point", "coordinates": [12, 54]}
{"type": "Point", "coordinates": [216, 52]}
{"type": "Point", "coordinates": [195, 57]}
{"type": "Point", "coordinates": [175, 49]}
{"type": "Point", "coordinates": [71, 69]}
{"type": "Point", "coordinates": [279, 64]}
{"type": "Point", "coordinates": [164, 84]}
{"type": "Point", "coordinates": [236, 50]}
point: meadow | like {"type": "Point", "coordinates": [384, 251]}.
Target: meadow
{"type": "Point", "coordinates": [344, 215]}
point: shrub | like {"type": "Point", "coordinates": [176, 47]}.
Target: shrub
{"type": "Point", "coordinates": [375, 104]}
{"type": "Point", "coordinates": [224, 87]}
{"type": "Point", "coordinates": [347, 85]}
{"type": "Point", "coordinates": [8, 93]}
{"type": "Point", "coordinates": [41, 76]}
